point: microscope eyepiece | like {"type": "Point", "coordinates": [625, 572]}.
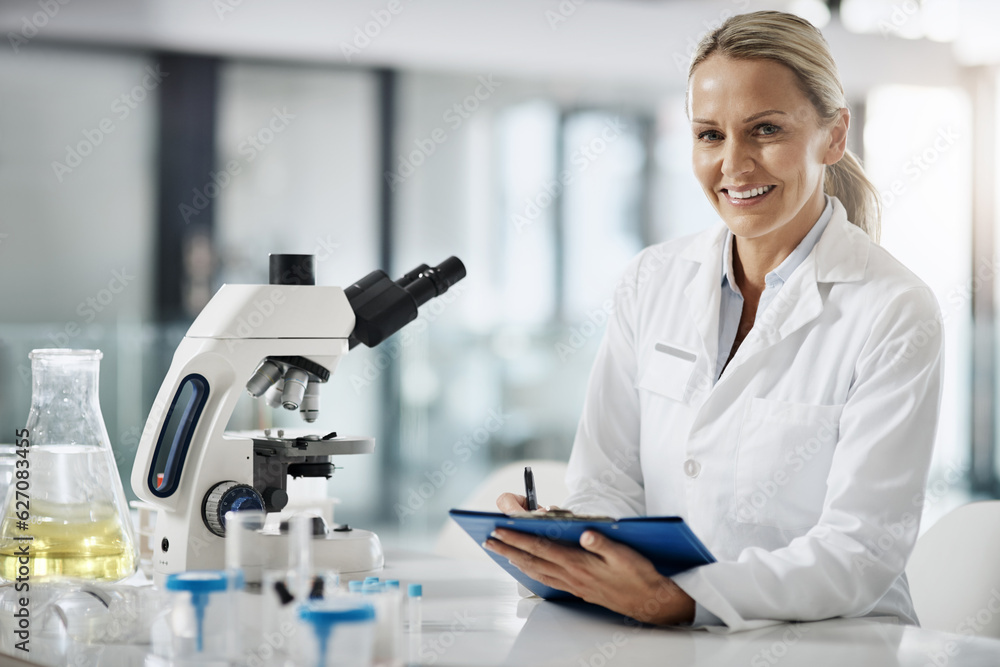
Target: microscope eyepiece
{"type": "Point", "coordinates": [383, 307]}
{"type": "Point", "coordinates": [433, 281]}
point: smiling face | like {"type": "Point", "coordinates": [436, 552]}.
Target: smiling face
{"type": "Point", "coordinates": [759, 148]}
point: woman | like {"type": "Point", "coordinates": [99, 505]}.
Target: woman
{"type": "Point", "coordinates": [774, 381]}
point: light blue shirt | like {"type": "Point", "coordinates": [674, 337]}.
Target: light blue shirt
{"type": "Point", "coordinates": [731, 306]}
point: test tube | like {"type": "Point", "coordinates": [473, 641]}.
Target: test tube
{"type": "Point", "coordinates": [415, 592]}
{"type": "Point", "coordinates": [244, 550]}
{"type": "Point", "coordinates": [300, 561]}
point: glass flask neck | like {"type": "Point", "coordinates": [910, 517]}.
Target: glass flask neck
{"type": "Point", "coordinates": [64, 397]}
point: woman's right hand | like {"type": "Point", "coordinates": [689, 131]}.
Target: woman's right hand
{"type": "Point", "coordinates": [509, 503]}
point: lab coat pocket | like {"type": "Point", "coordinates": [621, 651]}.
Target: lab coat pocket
{"type": "Point", "coordinates": [783, 461]}
{"type": "Point", "coordinates": [668, 371]}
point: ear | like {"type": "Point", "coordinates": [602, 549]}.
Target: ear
{"type": "Point", "coordinates": [838, 137]}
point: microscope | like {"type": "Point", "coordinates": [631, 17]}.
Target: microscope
{"type": "Point", "coordinates": [280, 341]}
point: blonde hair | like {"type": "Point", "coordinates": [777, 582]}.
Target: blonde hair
{"type": "Point", "coordinates": [799, 46]}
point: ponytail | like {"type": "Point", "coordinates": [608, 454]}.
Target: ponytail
{"type": "Point", "coordinates": [846, 181]}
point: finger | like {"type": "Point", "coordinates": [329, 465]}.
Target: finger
{"type": "Point", "coordinates": [533, 544]}
{"type": "Point", "coordinates": [512, 502]}
{"type": "Point", "coordinates": [523, 560]}
{"type": "Point", "coordinates": [546, 572]}
{"type": "Point", "coordinates": [498, 547]}
{"type": "Point", "coordinates": [608, 549]}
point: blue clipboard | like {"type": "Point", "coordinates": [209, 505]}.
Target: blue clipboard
{"type": "Point", "coordinates": [665, 540]}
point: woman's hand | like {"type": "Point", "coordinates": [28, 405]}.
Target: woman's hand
{"type": "Point", "coordinates": [603, 572]}
{"type": "Point", "coordinates": [508, 503]}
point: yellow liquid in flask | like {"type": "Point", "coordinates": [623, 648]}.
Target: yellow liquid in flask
{"type": "Point", "coordinates": [74, 522]}
{"type": "Point", "coordinates": [80, 542]}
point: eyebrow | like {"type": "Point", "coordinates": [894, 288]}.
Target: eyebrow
{"type": "Point", "coordinates": [748, 119]}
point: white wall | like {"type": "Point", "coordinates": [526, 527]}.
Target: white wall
{"type": "Point", "coordinates": [619, 43]}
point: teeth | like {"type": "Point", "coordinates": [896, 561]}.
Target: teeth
{"type": "Point", "coordinates": [752, 192]}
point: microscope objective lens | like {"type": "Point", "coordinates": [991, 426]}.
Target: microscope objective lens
{"type": "Point", "coordinates": [267, 374]}
{"type": "Point", "coordinates": [295, 388]}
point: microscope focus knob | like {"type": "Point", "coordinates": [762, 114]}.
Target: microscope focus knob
{"type": "Point", "coordinates": [228, 497]}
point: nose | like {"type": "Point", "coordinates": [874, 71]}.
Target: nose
{"type": "Point", "coordinates": [737, 158]}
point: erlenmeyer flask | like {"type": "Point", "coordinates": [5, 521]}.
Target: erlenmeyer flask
{"type": "Point", "coordinates": [70, 519]}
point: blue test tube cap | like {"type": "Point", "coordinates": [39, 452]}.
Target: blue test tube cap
{"type": "Point", "coordinates": [371, 580]}
{"type": "Point", "coordinates": [415, 590]}
{"type": "Point", "coordinates": [392, 583]}
{"type": "Point", "coordinates": [198, 581]}
{"type": "Point", "coordinates": [200, 584]}
{"type": "Point", "coordinates": [355, 586]}
{"type": "Point", "coordinates": [324, 614]}
{"type": "Point", "coordinates": [337, 610]}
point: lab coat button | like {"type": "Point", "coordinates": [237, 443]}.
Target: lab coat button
{"type": "Point", "coordinates": [692, 468]}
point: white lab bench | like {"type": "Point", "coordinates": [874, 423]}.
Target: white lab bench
{"type": "Point", "coordinates": [473, 615]}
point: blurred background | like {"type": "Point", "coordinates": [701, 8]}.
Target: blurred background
{"type": "Point", "coordinates": [152, 150]}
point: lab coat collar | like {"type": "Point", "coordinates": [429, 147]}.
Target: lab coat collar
{"type": "Point", "coordinates": [704, 291]}
{"type": "Point", "coordinates": [840, 255]}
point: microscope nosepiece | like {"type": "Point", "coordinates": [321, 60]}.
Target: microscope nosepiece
{"type": "Point", "coordinates": [295, 388]}
{"type": "Point", "coordinates": [266, 375]}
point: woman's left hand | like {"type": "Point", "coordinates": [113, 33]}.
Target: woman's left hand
{"type": "Point", "coordinates": [603, 572]}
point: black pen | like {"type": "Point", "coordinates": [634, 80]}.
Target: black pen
{"type": "Point", "coordinates": [529, 489]}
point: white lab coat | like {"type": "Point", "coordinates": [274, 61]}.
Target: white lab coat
{"type": "Point", "coordinates": [803, 468]}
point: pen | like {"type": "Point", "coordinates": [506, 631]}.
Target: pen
{"type": "Point", "coordinates": [529, 489]}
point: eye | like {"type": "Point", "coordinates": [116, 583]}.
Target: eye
{"type": "Point", "coordinates": [710, 135]}
{"type": "Point", "coordinates": [767, 129]}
